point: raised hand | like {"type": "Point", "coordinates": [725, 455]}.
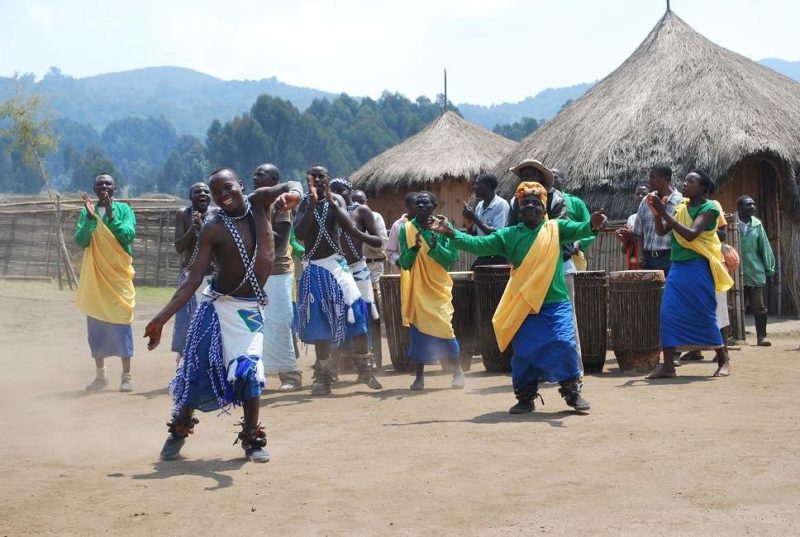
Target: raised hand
{"type": "Point", "coordinates": [87, 202]}
{"type": "Point", "coordinates": [313, 196]}
{"type": "Point", "coordinates": [417, 242]}
{"type": "Point", "coordinates": [153, 331]}
{"type": "Point", "coordinates": [327, 191]}
{"type": "Point", "coordinates": [599, 220]}
{"type": "Point", "coordinates": [287, 201]}
{"type": "Point", "coordinates": [197, 221]}
{"type": "Point", "coordinates": [467, 212]}
{"type": "Point", "coordinates": [656, 204]}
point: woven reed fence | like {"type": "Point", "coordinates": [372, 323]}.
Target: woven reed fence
{"type": "Point", "coordinates": [29, 247]}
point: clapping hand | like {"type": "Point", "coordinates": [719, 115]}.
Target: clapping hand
{"type": "Point", "coordinates": [417, 242]}
{"type": "Point", "coordinates": [656, 204]}
{"type": "Point", "coordinates": [598, 220]}
{"type": "Point", "coordinates": [313, 197]}
{"type": "Point", "coordinates": [87, 202]}
{"type": "Point", "coordinates": [197, 221]}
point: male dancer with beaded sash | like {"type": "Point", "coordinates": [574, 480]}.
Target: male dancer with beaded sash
{"type": "Point", "coordinates": [188, 222]}
{"type": "Point", "coordinates": [330, 307]}
{"type": "Point", "coordinates": [222, 362]}
{"type": "Point", "coordinates": [353, 245]}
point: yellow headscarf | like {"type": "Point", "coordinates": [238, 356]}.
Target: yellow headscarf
{"type": "Point", "coordinates": [529, 188]}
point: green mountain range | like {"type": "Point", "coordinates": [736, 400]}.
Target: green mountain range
{"type": "Point", "coordinates": [191, 100]}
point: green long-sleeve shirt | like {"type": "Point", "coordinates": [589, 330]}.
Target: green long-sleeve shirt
{"type": "Point", "coordinates": [758, 262]}
{"type": "Point", "coordinates": [442, 253]}
{"type": "Point", "coordinates": [514, 243]}
{"type": "Point", "coordinates": [577, 211]}
{"type": "Point", "coordinates": [123, 226]}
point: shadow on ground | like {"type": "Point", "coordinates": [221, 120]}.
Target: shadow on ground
{"type": "Point", "coordinates": [211, 469]}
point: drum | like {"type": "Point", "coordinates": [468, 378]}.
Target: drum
{"type": "Point", "coordinates": [634, 307]}
{"type": "Point", "coordinates": [463, 318]}
{"type": "Point", "coordinates": [591, 301]}
{"type": "Point", "coordinates": [391, 317]}
{"type": "Point", "coordinates": [490, 282]}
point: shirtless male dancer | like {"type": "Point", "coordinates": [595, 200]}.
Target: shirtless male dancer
{"type": "Point", "coordinates": [222, 365]}
{"type": "Point", "coordinates": [353, 245]}
{"type": "Point", "coordinates": [330, 307]}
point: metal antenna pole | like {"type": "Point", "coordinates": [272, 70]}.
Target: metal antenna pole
{"type": "Point", "coordinates": [445, 90]}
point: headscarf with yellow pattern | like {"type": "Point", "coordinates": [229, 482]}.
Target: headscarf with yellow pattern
{"type": "Point", "coordinates": [532, 188]}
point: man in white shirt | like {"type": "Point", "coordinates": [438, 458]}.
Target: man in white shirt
{"type": "Point", "coordinates": [490, 213]}
{"type": "Point", "coordinates": [393, 244]}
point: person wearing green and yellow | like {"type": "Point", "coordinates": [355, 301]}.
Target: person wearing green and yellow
{"type": "Point", "coordinates": [106, 295]}
{"type": "Point", "coordinates": [427, 299]}
{"type": "Point", "coordinates": [534, 315]}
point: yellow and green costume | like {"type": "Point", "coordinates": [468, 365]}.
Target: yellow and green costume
{"type": "Point", "coordinates": [105, 291]}
{"type": "Point", "coordinates": [427, 295]}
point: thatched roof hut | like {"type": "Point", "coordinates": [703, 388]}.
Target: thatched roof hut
{"type": "Point", "coordinates": [683, 100]}
{"type": "Point", "coordinates": [444, 158]}
{"type": "Point", "coordinates": [679, 99]}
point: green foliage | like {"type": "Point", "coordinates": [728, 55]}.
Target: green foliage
{"type": "Point", "coordinates": [26, 138]}
{"type": "Point", "coordinates": [139, 146]}
{"type": "Point", "coordinates": [88, 165]}
{"type": "Point", "coordinates": [518, 130]}
{"type": "Point", "coordinates": [342, 134]}
{"type": "Point", "coordinates": [186, 165]}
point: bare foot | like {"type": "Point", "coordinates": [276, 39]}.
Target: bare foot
{"type": "Point", "coordinates": [724, 370]}
{"type": "Point", "coordinates": [661, 372]}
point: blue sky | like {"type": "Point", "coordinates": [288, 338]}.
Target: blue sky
{"type": "Point", "coordinates": [494, 50]}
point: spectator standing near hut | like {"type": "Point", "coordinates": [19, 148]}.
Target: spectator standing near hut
{"type": "Point", "coordinates": [489, 215]}
{"type": "Point", "coordinates": [534, 312]}
{"type": "Point", "coordinates": [106, 295]}
{"type": "Point", "coordinates": [758, 263]}
{"type": "Point", "coordinates": [688, 319]}
{"type": "Point", "coordinates": [654, 249]}
{"type": "Point", "coordinates": [222, 364]}
{"type": "Point", "coordinates": [330, 308]}
{"type": "Point", "coordinates": [376, 258]}
{"type": "Point", "coordinates": [393, 244]}
{"type": "Point", "coordinates": [188, 222]}
{"type": "Point", "coordinates": [630, 242]}
{"type": "Point", "coordinates": [279, 346]}
{"type": "Point", "coordinates": [427, 300]}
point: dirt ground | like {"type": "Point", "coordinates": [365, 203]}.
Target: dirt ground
{"type": "Point", "coordinates": [690, 456]}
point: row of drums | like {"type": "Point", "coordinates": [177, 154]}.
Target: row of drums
{"type": "Point", "coordinates": [618, 311]}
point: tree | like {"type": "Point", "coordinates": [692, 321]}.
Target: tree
{"type": "Point", "coordinates": [185, 165]}
{"type": "Point", "coordinates": [518, 130]}
{"type": "Point", "coordinates": [27, 137]}
{"type": "Point", "coordinates": [89, 165]}
{"type": "Point", "coordinates": [134, 141]}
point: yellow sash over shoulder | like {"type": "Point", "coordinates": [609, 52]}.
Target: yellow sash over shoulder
{"type": "Point", "coordinates": [427, 298]}
{"type": "Point", "coordinates": [708, 245]}
{"type": "Point", "coordinates": [105, 290]}
{"type": "Point", "coordinates": [528, 285]}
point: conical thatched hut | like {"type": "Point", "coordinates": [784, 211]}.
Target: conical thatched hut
{"type": "Point", "coordinates": [443, 158]}
{"type": "Point", "coordinates": [683, 100]}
